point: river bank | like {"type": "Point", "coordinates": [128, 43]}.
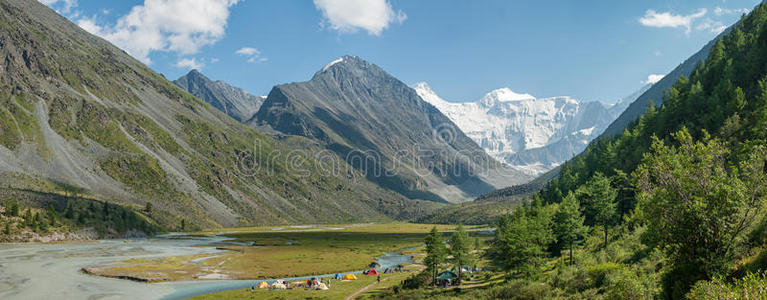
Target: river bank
{"type": "Point", "coordinates": [38, 270]}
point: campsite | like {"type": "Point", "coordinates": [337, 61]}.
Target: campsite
{"type": "Point", "coordinates": [339, 289]}
{"type": "Point", "coordinates": [260, 253]}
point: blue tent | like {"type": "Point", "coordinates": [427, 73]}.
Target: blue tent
{"type": "Point", "coordinates": [338, 276]}
{"type": "Point", "coordinates": [447, 275]}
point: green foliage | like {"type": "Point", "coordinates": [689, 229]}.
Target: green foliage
{"type": "Point", "coordinates": [460, 249]}
{"type": "Point", "coordinates": [695, 166]}
{"type": "Point", "coordinates": [598, 200]}
{"type": "Point", "coordinates": [697, 207]}
{"type": "Point", "coordinates": [521, 240]}
{"type": "Point", "coordinates": [568, 224]}
{"type": "Point", "coordinates": [14, 210]}
{"type": "Point", "coordinates": [436, 252]}
{"type": "Point", "coordinates": [751, 286]}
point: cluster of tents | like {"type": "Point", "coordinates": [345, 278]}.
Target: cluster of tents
{"type": "Point", "coordinates": [311, 284]}
{"type": "Point", "coordinates": [350, 276]}
{"type": "Point", "coordinates": [318, 283]}
{"type": "Point", "coordinates": [449, 277]}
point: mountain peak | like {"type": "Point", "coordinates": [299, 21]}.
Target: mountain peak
{"type": "Point", "coordinates": [427, 94]}
{"type": "Point", "coordinates": [330, 64]}
{"type": "Point", "coordinates": [349, 64]}
{"type": "Point", "coordinates": [504, 95]}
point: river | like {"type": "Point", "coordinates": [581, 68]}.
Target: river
{"type": "Point", "coordinates": [46, 271]}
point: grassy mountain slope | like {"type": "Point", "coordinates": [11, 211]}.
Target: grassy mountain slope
{"type": "Point", "coordinates": [80, 111]}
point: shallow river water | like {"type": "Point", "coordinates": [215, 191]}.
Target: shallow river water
{"type": "Point", "coordinates": [52, 271]}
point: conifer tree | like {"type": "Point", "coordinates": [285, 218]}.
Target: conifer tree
{"type": "Point", "coordinates": [568, 223]}
{"type": "Point", "coordinates": [436, 252]}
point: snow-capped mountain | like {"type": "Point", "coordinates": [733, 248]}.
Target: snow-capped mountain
{"type": "Point", "coordinates": [529, 133]}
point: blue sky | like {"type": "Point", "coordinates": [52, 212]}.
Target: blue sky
{"type": "Point", "coordinates": [590, 50]}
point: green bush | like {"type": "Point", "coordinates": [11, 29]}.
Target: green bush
{"type": "Point", "coordinates": [752, 286]}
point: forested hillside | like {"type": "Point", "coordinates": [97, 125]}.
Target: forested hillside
{"type": "Point", "coordinates": [671, 208]}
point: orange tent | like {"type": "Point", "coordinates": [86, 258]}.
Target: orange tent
{"type": "Point", "coordinates": [372, 272]}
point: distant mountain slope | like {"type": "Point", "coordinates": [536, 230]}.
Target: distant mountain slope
{"type": "Point", "coordinates": [79, 112]}
{"type": "Point", "coordinates": [384, 129]}
{"type": "Point", "coordinates": [532, 134]}
{"type": "Point", "coordinates": [231, 100]}
{"type": "Point", "coordinates": [655, 93]}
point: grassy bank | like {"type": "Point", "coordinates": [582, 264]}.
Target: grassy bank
{"type": "Point", "coordinates": [276, 252]}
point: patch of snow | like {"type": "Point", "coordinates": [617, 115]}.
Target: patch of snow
{"type": "Point", "coordinates": [504, 95]}
{"type": "Point", "coordinates": [532, 134]}
{"type": "Point", "coordinates": [326, 67]}
{"type": "Point", "coordinates": [586, 132]}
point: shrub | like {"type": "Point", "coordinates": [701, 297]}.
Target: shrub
{"type": "Point", "coordinates": [752, 286]}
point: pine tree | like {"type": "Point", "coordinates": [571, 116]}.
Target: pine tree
{"type": "Point", "coordinates": [148, 208]}
{"type": "Point", "coordinates": [521, 239]}
{"type": "Point", "coordinates": [51, 215]}
{"type": "Point", "coordinates": [14, 209]}
{"type": "Point", "coordinates": [598, 198]}
{"type": "Point", "coordinates": [28, 221]}
{"type": "Point", "coordinates": [436, 252]}
{"type": "Point", "coordinates": [460, 250]}
{"type": "Point", "coordinates": [568, 223]}
{"type": "Point", "coordinates": [70, 212]}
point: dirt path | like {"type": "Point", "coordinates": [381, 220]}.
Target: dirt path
{"type": "Point", "coordinates": [365, 289]}
{"type": "Point", "coordinates": [369, 286]}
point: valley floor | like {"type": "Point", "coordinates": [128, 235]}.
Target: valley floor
{"type": "Point", "coordinates": [225, 261]}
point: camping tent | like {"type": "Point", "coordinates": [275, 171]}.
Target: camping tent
{"type": "Point", "coordinates": [277, 285]}
{"type": "Point", "coordinates": [447, 275]}
{"type": "Point", "coordinates": [350, 277]}
{"type": "Point", "coordinates": [372, 272]}
{"type": "Point", "coordinates": [374, 265]}
{"type": "Point", "coordinates": [338, 276]}
{"type": "Point", "coordinates": [322, 286]}
{"type": "Point", "coordinates": [263, 285]}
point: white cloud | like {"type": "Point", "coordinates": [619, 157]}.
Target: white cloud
{"type": "Point", "coordinates": [658, 53]}
{"type": "Point", "coordinates": [214, 60]}
{"type": "Point", "coordinates": [62, 6]}
{"type": "Point", "coordinates": [248, 51]}
{"type": "Point", "coordinates": [179, 26]}
{"type": "Point", "coordinates": [653, 78]}
{"type": "Point", "coordinates": [667, 19]}
{"type": "Point", "coordinates": [253, 55]}
{"type": "Point", "coordinates": [715, 27]}
{"type": "Point", "coordinates": [348, 16]}
{"type": "Point", "coordinates": [189, 63]}
{"type": "Point", "coordinates": [729, 11]}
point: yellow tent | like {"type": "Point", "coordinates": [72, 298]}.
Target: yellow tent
{"type": "Point", "coordinates": [350, 277]}
{"type": "Point", "coordinates": [263, 285]}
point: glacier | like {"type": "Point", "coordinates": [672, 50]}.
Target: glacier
{"type": "Point", "coordinates": [531, 134]}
